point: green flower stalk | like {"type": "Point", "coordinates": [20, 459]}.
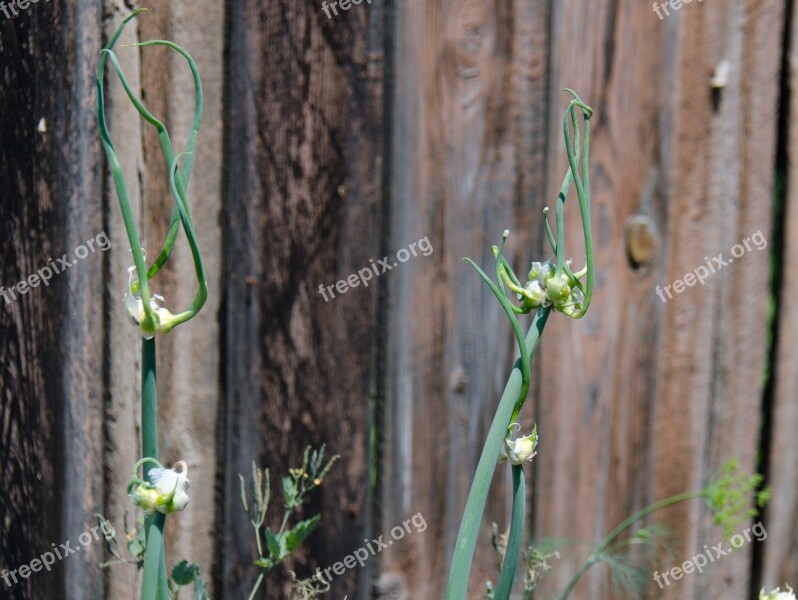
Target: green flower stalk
{"type": "Point", "coordinates": [549, 286]}
{"type": "Point", "coordinates": [160, 491]}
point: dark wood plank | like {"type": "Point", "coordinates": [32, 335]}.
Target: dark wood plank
{"type": "Point", "coordinates": [302, 163]}
{"type": "Point", "coordinates": [51, 358]}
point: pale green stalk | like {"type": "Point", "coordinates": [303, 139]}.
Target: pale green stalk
{"type": "Point", "coordinates": [457, 584]}
{"type": "Point", "coordinates": [514, 540]}
{"type": "Point", "coordinates": [517, 387]}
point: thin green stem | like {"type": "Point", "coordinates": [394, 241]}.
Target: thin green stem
{"type": "Point", "coordinates": [257, 585]}
{"type": "Point", "coordinates": [513, 550]}
{"type": "Point", "coordinates": [152, 588]}
{"type": "Point", "coordinates": [519, 336]}
{"type": "Point", "coordinates": [199, 267]}
{"type": "Point", "coordinates": [163, 135]}
{"type": "Point", "coordinates": [154, 583]}
{"type": "Point", "coordinates": [582, 184]}
{"type": "Point", "coordinates": [284, 523]}
{"type": "Point", "coordinates": [119, 181]}
{"type": "Point", "coordinates": [149, 404]}
{"type": "Point", "coordinates": [547, 229]}
{"type": "Point", "coordinates": [628, 522]}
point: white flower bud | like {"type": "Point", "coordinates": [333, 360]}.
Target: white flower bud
{"type": "Point", "coordinates": [519, 450]}
{"type": "Point", "coordinates": [166, 492]}
{"type": "Point", "coordinates": [163, 320]}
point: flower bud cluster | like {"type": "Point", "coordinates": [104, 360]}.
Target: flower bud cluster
{"type": "Point", "coordinates": [545, 288]}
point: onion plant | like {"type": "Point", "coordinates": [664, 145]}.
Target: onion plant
{"type": "Point", "coordinates": [548, 286]}
{"type": "Point", "coordinates": [553, 286]}
{"type": "Point", "coordinates": [159, 491]}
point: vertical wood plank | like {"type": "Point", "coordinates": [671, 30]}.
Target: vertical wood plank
{"type": "Point", "coordinates": [52, 355]}
{"type": "Point", "coordinates": [302, 158]}
{"type": "Point", "coordinates": [653, 397]}
{"type": "Point", "coordinates": [188, 357]}
{"type": "Point", "coordinates": [122, 376]}
{"type": "Point", "coordinates": [468, 156]}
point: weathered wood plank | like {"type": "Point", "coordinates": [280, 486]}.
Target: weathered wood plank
{"type": "Point", "coordinates": [468, 153]}
{"type": "Point", "coordinates": [302, 158]}
{"type": "Point", "coordinates": [52, 353]}
{"type": "Point", "coordinates": [123, 401]}
{"type": "Point", "coordinates": [653, 397]}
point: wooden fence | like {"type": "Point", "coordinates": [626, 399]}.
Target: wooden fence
{"type": "Point", "coordinates": [328, 142]}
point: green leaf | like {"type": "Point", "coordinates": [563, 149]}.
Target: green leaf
{"type": "Point", "coordinates": [184, 573]}
{"type": "Point", "coordinates": [200, 588]}
{"type": "Point", "coordinates": [136, 549]}
{"type": "Point", "coordinates": [276, 545]}
{"type": "Point", "coordinates": [289, 491]}
{"type": "Point", "coordinates": [301, 530]}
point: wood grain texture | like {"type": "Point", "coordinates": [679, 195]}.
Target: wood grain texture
{"type": "Point", "coordinates": [468, 148]}
{"type": "Point", "coordinates": [328, 143]}
{"type": "Point", "coordinates": [51, 357]}
{"type": "Point", "coordinates": [651, 397]}
{"type": "Point", "coordinates": [189, 365]}
{"type": "Point", "coordinates": [302, 157]}
{"type": "Point", "coordinates": [123, 368]}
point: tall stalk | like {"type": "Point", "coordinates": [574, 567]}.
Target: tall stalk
{"type": "Point", "coordinates": [144, 310]}
{"type": "Point", "coordinates": [155, 553]}
{"type": "Point", "coordinates": [548, 287]}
